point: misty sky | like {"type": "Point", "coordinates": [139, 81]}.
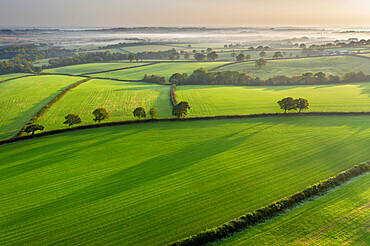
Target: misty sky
{"type": "Point", "coordinates": [184, 12]}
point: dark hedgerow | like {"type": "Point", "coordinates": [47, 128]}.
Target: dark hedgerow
{"type": "Point", "coordinates": [272, 210]}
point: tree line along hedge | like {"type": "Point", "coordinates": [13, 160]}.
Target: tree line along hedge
{"type": "Point", "coordinates": [47, 106]}
{"type": "Point", "coordinates": [272, 210]}
{"type": "Point", "coordinates": [219, 117]}
{"type": "Point", "coordinates": [203, 77]}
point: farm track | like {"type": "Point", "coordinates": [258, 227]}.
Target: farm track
{"type": "Point", "coordinates": [219, 117]}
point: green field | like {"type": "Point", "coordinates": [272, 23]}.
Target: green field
{"type": "Point", "coordinates": [153, 48]}
{"type": "Point", "coordinates": [289, 67]}
{"type": "Point", "coordinates": [162, 69]}
{"type": "Point", "coordinates": [227, 100]}
{"type": "Point", "coordinates": [21, 99]}
{"type": "Point", "coordinates": [12, 75]}
{"type": "Point", "coordinates": [92, 67]}
{"type": "Point", "coordinates": [118, 98]}
{"type": "Point", "coordinates": [154, 183]}
{"type": "Point", "coordinates": [339, 218]}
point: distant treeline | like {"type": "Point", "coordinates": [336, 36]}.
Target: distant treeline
{"type": "Point", "coordinates": [32, 52]}
{"type": "Point", "coordinates": [202, 77]}
{"type": "Point", "coordinates": [85, 58]}
{"type": "Point", "coordinates": [18, 65]}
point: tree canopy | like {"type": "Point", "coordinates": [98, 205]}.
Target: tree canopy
{"type": "Point", "coordinates": [72, 119]}
{"type": "Point", "coordinates": [100, 114]}
{"type": "Point", "coordinates": [287, 103]}
{"type": "Point", "coordinates": [32, 128]}
{"type": "Point", "coordinates": [139, 112]}
{"type": "Point", "coordinates": [181, 109]}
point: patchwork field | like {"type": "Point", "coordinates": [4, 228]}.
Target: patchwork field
{"type": "Point", "coordinates": [329, 65]}
{"type": "Point", "coordinates": [118, 98]}
{"type": "Point", "coordinates": [162, 69]}
{"type": "Point", "coordinates": [339, 218]}
{"type": "Point", "coordinates": [138, 184]}
{"type": "Point", "coordinates": [12, 75]}
{"type": "Point", "coordinates": [227, 100]}
{"type": "Point", "coordinates": [92, 67]}
{"type": "Point", "coordinates": [21, 99]}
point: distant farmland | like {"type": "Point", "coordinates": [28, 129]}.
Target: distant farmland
{"type": "Point", "coordinates": [227, 100]}
{"type": "Point", "coordinates": [92, 67]}
{"type": "Point", "coordinates": [162, 69]}
{"type": "Point", "coordinates": [154, 183]}
{"type": "Point", "coordinates": [118, 98]}
{"type": "Point", "coordinates": [21, 99]}
{"type": "Point", "coordinates": [329, 65]}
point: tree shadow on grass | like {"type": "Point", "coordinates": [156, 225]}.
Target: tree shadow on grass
{"type": "Point", "coordinates": [135, 176]}
{"type": "Point", "coordinates": [40, 162]}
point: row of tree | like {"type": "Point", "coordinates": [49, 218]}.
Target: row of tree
{"type": "Point", "coordinates": [18, 64]}
{"type": "Point", "coordinates": [180, 110]}
{"type": "Point", "coordinates": [290, 103]}
{"type": "Point", "coordinates": [202, 77]}
{"type": "Point", "coordinates": [33, 52]}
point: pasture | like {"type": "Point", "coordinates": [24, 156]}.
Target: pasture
{"type": "Point", "coordinates": [11, 76]}
{"type": "Point", "coordinates": [330, 65]}
{"type": "Point", "coordinates": [118, 98]}
{"type": "Point", "coordinates": [92, 67]}
{"type": "Point", "coordinates": [154, 183]}
{"type": "Point", "coordinates": [161, 69]}
{"type": "Point", "coordinates": [340, 217]}
{"type": "Point", "coordinates": [21, 99]}
{"type": "Point", "coordinates": [208, 100]}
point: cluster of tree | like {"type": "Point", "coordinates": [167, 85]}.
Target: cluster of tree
{"type": "Point", "coordinates": [159, 55]}
{"type": "Point", "coordinates": [290, 103]}
{"type": "Point", "coordinates": [239, 46]}
{"type": "Point", "coordinates": [265, 213]}
{"type": "Point", "coordinates": [32, 52]}
{"type": "Point", "coordinates": [86, 58]}
{"type": "Point", "coordinates": [18, 64]}
{"type": "Point", "coordinates": [211, 56]}
{"type": "Point", "coordinates": [141, 113]}
{"type": "Point", "coordinates": [202, 77]}
{"type": "Point", "coordinates": [154, 79]}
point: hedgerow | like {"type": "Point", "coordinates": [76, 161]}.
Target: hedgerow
{"type": "Point", "coordinates": [47, 106]}
{"type": "Point", "coordinates": [272, 210]}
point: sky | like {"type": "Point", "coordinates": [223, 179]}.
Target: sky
{"type": "Point", "coordinates": [114, 13]}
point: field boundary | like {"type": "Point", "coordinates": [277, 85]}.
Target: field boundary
{"type": "Point", "coordinates": [24, 76]}
{"type": "Point", "coordinates": [173, 95]}
{"type": "Point", "coordinates": [123, 68]}
{"type": "Point", "coordinates": [130, 122]}
{"type": "Point", "coordinates": [49, 104]}
{"type": "Point", "coordinates": [274, 209]}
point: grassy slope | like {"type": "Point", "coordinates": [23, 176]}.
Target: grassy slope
{"type": "Point", "coordinates": [164, 69]}
{"type": "Point", "coordinates": [329, 65]}
{"type": "Point", "coordinates": [10, 76]}
{"type": "Point", "coordinates": [118, 98]}
{"type": "Point", "coordinates": [341, 217]}
{"type": "Point", "coordinates": [225, 100]}
{"type": "Point", "coordinates": [91, 67]}
{"type": "Point", "coordinates": [21, 99]}
{"type": "Point", "coordinates": [140, 185]}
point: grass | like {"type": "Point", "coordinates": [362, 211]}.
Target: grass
{"type": "Point", "coordinates": [118, 98]}
{"type": "Point", "coordinates": [21, 99]}
{"type": "Point", "coordinates": [91, 67]}
{"type": "Point", "coordinates": [339, 218]}
{"type": "Point", "coordinates": [153, 48]}
{"type": "Point", "coordinates": [162, 69]}
{"type": "Point", "coordinates": [154, 183]}
{"type": "Point", "coordinates": [11, 76]}
{"type": "Point", "coordinates": [329, 65]}
{"type": "Point", "coordinates": [227, 100]}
